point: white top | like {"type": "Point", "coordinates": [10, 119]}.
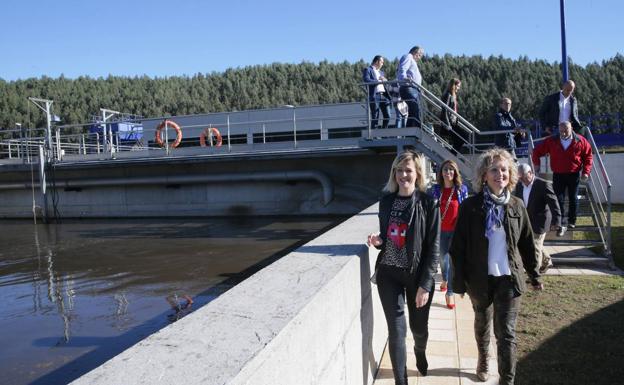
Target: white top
{"type": "Point", "coordinates": [408, 69]}
{"type": "Point", "coordinates": [379, 88]}
{"type": "Point", "coordinates": [566, 143]}
{"type": "Point", "coordinates": [565, 108]}
{"type": "Point", "coordinates": [526, 191]}
{"type": "Point", "coordinates": [498, 262]}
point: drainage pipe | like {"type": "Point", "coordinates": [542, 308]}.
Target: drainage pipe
{"type": "Point", "coordinates": [272, 176]}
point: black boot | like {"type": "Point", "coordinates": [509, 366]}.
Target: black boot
{"type": "Point", "coordinates": [482, 367]}
{"type": "Point", "coordinates": [421, 362]}
{"type": "Point", "coordinates": [401, 381]}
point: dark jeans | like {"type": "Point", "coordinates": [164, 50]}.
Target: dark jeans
{"type": "Point", "coordinates": [381, 103]}
{"type": "Point", "coordinates": [503, 303]}
{"type": "Point", "coordinates": [394, 285]}
{"type": "Point", "coordinates": [411, 96]}
{"type": "Point", "coordinates": [446, 265]}
{"type": "Point", "coordinates": [561, 183]}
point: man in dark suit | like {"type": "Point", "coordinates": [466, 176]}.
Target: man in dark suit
{"type": "Point", "coordinates": [560, 107]}
{"type": "Point", "coordinates": [542, 205]}
{"type": "Point", "coordinates": [378, 98]}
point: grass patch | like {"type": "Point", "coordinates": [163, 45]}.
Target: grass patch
{"type": "Point", "coordinates": [572, 332]}
{"type": "Point", "coordinates": [617, 233]}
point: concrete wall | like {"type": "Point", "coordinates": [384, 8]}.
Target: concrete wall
{"type": "Point", "coordinates": [357, 178]}
{"type": "Point", "coordinates": [312, 317]}
{"type": "Point", "coordinates": [613, 163]}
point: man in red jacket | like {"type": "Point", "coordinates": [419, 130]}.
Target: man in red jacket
{"type": "Point", "coordinates": [571, 162]}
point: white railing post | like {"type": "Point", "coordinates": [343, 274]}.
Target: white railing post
{"type": "Point", "coordinates": [295, 125]}
{"type": "Point", "coordinates": [228, 134]}
{"type": "Point", "coordinates": [57, 134]}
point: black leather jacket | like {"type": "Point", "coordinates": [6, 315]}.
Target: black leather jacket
{"type": "Point", "coordinates": [423, 241]}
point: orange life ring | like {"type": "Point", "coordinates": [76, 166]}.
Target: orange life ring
{"type": "Point", "coordinates": [209, 132]}
{"type": "Point", "coordinates": [173, 125]}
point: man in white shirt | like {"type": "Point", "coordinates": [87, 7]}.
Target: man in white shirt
{"type": "Point", "coordinates": [560, 107]}
{"type": "Point", "coordinates": [408, 75]}
{"type": "Point", "coordinates": [541, 202]}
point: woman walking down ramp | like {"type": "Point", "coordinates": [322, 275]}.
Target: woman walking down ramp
{"type": "Point", "coordinates": [409, 223]}
{"type": "Point", "coordinates": [492, 244]}
{"type": "Point", "coordinates": [450, 130]}
{"type": "Point", "coordinates": [450, 193]}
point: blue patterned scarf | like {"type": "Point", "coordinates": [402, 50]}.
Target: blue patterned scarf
{"type": "Point", "coordinates": [493, 217]}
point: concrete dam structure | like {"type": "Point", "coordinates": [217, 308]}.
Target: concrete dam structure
{"type": "Point", "coordinates": [284, 161]}
{"type": "Point", "coordinates": [337, 182]}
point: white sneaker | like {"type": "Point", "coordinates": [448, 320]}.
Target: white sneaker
{"type": "Point", "coordinates": [561, 231]}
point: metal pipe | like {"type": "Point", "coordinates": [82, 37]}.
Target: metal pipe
{"type": "Point", "coordinates": [273, 176]}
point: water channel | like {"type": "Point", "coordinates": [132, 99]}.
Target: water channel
{"type": "Point", "coordinates": [77, 293]}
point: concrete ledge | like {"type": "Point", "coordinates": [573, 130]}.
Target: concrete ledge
{"type": "Point", "coordinates": [312, 317]}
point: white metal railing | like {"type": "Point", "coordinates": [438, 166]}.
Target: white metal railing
{"type": "Point", "coordinates": [599, 189]}
{"type": "Point", "coordinates": [75, 140]}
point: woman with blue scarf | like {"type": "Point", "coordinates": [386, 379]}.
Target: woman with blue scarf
{"type": "Point", "coordinates": [492, 245]}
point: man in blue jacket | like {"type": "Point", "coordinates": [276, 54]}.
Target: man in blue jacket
{"type": "Point", "coordinates": [378, 98]}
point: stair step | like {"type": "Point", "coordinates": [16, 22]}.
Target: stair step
{"type": "Point", "coordinates": [588, 228]}
{"type": "Point", "coordinates": [579, 259]}
{"type": "Point", "coordinates": [572, 242]}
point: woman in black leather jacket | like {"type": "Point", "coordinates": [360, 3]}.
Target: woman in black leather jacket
{"type": "Point", "coordinates": [409, 223]}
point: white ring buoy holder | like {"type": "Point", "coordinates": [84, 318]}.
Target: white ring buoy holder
{"type": "Point", "coordinates": [173, 125]}
{"type": "Point", "coordinates": [210, 132]}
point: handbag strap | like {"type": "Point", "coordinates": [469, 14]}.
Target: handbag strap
{"type": "Point", "coordinates": [448, 203]}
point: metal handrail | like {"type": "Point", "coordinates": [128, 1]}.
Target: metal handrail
{"type": "Point", "coordinates": [78, 142]}
{"type": "Point", "coordinates": [605, 178]}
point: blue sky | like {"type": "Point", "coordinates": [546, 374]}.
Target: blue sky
{"type": "Point", "coordinates": [184, 37]}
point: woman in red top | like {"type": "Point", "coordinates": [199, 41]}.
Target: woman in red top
{"type": "Point", "coordinates": [450, 192]}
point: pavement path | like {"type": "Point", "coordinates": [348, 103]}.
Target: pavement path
{"type": "Point", "coordinates": [451, 350]}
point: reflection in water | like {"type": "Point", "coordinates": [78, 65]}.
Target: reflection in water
{"type": "Point", "coordinates": [180, 308]}
{"type": "Point", "coordinates": [78, 293]}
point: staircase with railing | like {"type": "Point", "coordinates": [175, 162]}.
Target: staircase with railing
{"type": "Point", "coordinates": [588, 243]}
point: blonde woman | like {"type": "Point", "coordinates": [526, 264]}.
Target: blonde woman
{"type": "Point", "coordinates": [409, 221]}
{"type": "Point", "coordinates": [492, 245]}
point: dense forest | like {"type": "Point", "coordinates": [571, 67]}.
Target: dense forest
{"type": "Point", "coordinates": [484, 82]}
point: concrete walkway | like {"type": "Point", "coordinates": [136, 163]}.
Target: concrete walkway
{"type": "Point", "coordinates": [451, 350]}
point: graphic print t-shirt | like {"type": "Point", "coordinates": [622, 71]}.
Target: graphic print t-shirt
{"type": "Point", "coordinates": [396, 248]}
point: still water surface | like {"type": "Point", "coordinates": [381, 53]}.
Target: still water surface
{"type": "Point", "coordinates": [77, 293]}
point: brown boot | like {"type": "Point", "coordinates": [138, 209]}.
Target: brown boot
{"type": "Point", "coordinates": [482, 336]}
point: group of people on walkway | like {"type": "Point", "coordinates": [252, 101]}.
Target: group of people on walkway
{"type": "Point", "coordinates": [485, 243]}
{"type": "Point", "coordinates": [404, 95]}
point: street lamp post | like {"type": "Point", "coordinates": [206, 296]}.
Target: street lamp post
{"type": "Point", "coordinates": [564, 54]}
